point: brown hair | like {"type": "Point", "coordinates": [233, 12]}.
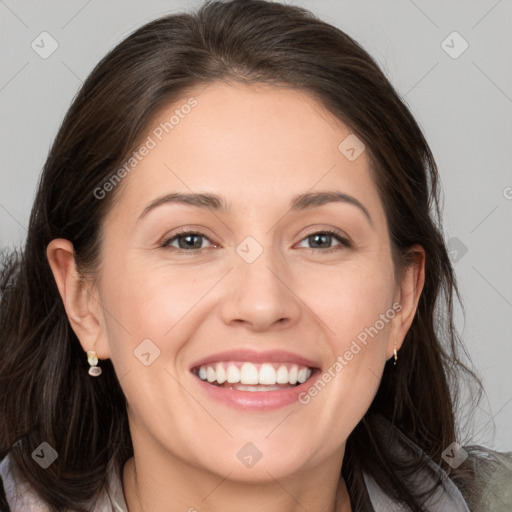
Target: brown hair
{"type": "Point", "coordinates": [45, 391]}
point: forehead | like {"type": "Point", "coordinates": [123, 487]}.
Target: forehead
{"type": "Point", "coordinates": [253, 144]}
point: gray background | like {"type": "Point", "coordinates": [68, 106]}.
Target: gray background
{"type": "Point", "coordinates": [463, 104]}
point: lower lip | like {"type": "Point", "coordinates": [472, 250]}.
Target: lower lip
{"type": "Point", "coordinates": [257, 400]}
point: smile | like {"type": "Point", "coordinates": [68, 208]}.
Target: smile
{"type": "Point", "coordinates": [250, 380]}
{"type": "Point", "coordinates": [247, 376]}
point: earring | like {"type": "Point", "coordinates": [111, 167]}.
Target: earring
{"type": "Point", "coordinates": [395, 354]}
{"type": "Point", "coordinates": [92, 359]}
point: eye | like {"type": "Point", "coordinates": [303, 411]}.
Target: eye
{"type": "Point", "coordinates": [188, 241]}
{"type": "Point", "coordinates": [322, 240]}
{"type": "Point", "coordinates": [192, 241]}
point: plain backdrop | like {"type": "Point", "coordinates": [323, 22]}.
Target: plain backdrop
{"type": "Point", "coordinates": [450, 61]}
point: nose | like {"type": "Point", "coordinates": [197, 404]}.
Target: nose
{"type": "Point", "coordinates": [260, 295]}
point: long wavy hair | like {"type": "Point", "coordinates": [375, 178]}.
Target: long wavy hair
{"type": "Point", "coordinates": [45, 391]}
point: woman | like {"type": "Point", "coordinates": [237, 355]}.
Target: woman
{"type": "Point", "coordinates": [228, 298]}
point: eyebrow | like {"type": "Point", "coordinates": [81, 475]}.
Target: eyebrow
{"type": "Point", "coordinates": [214, 202]}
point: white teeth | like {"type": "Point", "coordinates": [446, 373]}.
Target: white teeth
{"type": "Point", "coordinates": [249, 374]}
{"type": "Point", "coordinates": [292, 374]}
{"type": "Point", "coordinates": [232, 374]}
{"type": "Point", "coordinates": [221, 373]}
{"type": "Point", "coordinates": [210, 374]}
{"type": "Point", "coordinates": [282, 375]}
{"type": "Point", "coordinates": [241, 387]}
{"type": "Point", "coordinates": [267, 374]}
{"type": "Point", "coordinates": [303, 375]}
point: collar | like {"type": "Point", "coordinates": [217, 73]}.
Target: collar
{"type": "Point", "coordinates": [21, 497]}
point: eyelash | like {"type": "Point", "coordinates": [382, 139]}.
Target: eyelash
{"type": "Point", "coordinates": [345, 244]}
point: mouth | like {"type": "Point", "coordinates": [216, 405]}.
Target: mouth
{"type": "Point", "coordinates": [259, 381]}
{"type": "Point", "coordinates": [254, 377]}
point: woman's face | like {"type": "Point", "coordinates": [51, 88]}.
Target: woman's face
{"type": "Point", "coordinates": [259, 278]}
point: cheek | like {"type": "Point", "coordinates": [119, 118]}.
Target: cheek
{"type": "Point", "coordinates": [356, 309]}
{"type": "Point", "coordinates": [348, 298]}
{"type": "Point", "coordinates": [148, 294]}
{"type": "Point", "coordinates": [151, 300]}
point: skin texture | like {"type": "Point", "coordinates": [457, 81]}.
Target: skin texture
{"type": "Point", "coordinates": [258, 146]}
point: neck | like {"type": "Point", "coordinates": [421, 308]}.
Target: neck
{"type": "Point", "coordinates": [150, 487]}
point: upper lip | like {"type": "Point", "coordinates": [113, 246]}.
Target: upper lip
{"type": "Point", "coordinates": [252, 356]}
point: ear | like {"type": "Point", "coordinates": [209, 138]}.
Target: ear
{"type": "Point", "coordinates": [407, 295]}
{"type": "Point", "coordinates": [80, 298]}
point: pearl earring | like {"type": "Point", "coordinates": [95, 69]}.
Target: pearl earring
{"type": "Point", "coordinates": [92, 359]}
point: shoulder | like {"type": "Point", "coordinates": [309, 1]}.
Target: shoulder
{"type": "Point", "coordinates": [4, 506]}
{"type": "Point", "coordinates": [19, 496]}
{"type": "Point", "coordinates": [482, 482]}
{"type": "Point", "coordinates": [491, 490]}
